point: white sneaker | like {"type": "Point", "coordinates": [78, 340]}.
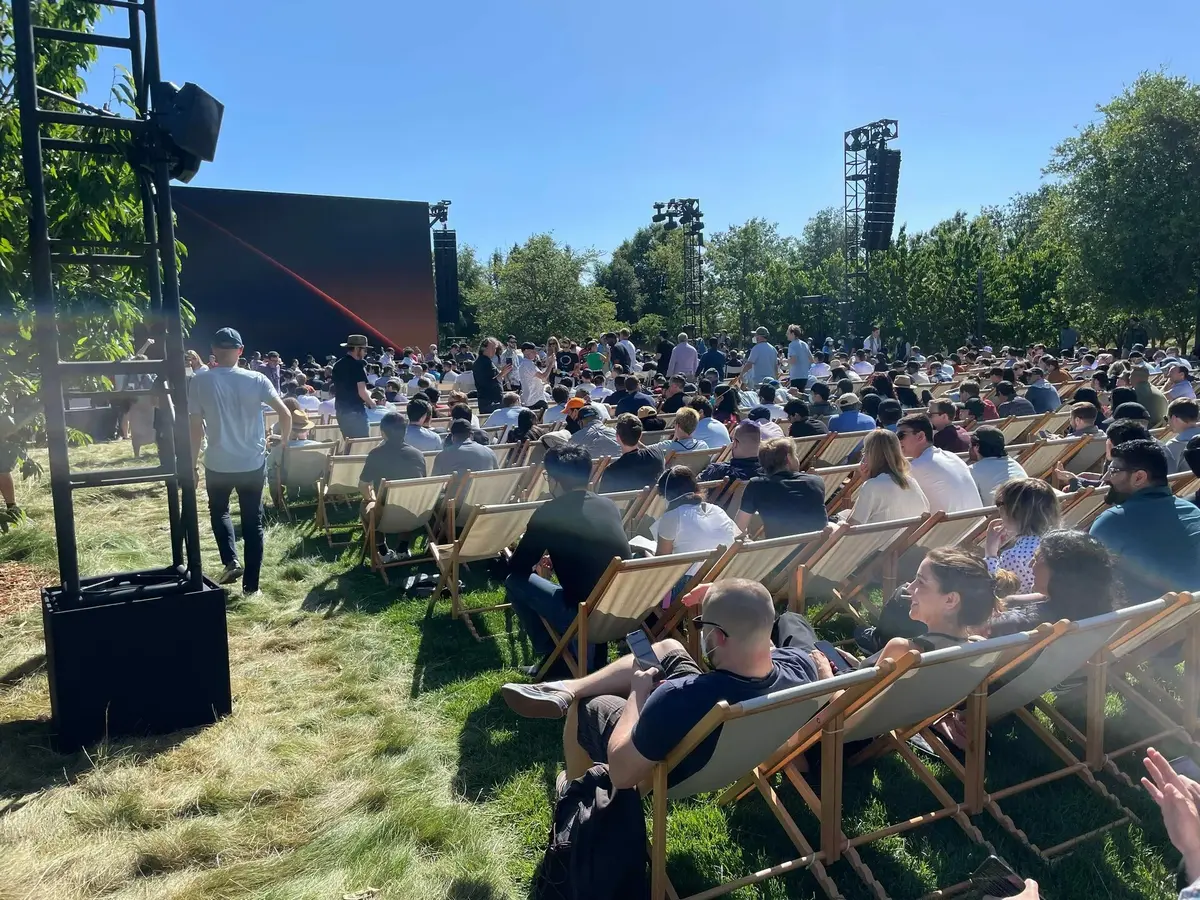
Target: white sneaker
{"type": "Point", "coordinates": [393, 556]}
{"type": "Point", "coordinates": [231, 573]}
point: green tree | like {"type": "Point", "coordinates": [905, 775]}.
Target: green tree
{"type": "Point", "coordinates": [1131, 205]}
{"type": "Point", "coordinates": [644, 277]}
{"type": "Point", "coordinates": [88, 198]}
{"type": "Point", "coordinates": [538, 290]}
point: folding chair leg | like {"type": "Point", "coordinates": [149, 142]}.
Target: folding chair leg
{"type": "Point", "coordinates": [1191, 680]}
{"type": "Point", "coordinates": [794, 834]}
{"type": "Point", "coordinates": [658, 858]}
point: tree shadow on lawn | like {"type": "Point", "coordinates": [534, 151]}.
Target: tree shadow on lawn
{"type": "Point", "coordinates": [448, 653]}
{"type": "Point", "coordinates": [495, 745]}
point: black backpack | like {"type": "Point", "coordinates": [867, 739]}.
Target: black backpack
{"type": "Point", "coordinates": [597, 848]}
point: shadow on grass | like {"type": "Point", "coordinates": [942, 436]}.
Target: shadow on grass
{"type": "Point", "coordinates": [467, 888]}
{"type": "Point", "coordinates": [496, 744]}
{"type": "Point", "coordinates": [21, 671]}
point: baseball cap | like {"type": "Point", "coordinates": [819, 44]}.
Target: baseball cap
{"type": "Point", "coordinates": [576, 403]}
{"type": "Point", "coordinates": [769, 382]}
{"type": "Point", "coordinates": [227, 339]}
{"type": "Point", "coordinates": [760, 413]}
{"type": "Point", "coordinates": [848, 400]}
{"type": "Point", "coordinates": [587, 411]}
{"type": "Point", "coordinates": [761, 331]}
{"type": "Point", "coordinates": [646, 412]}
{"type": "Point", "coordinates": [528, 346]}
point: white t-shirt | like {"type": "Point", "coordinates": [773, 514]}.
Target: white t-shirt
{"type": "Point", "coordinates": [863, 367]}
{"type": "Point", "coordinates": [763, 361]}
{"type": "Point", "coordinates": [231, 401]}
{"type": "Point", "coordinates": [555, 413]}
{"type": "Point", "coordinates": [880, 499]}
{"type": "Point", "coordinates": [309, 403]}
{"type": "Point", "coordinates": [599, 393]}
{"type": "Point", "coordinates": [327, 409]}
{"type": "Point", "coordinates": [992, 471]}
{"type": "Point", "coordinates": [696, 526]}
{"type": "Point", "coordinates": [533, 389]}
{"type": "Point", "coordinates": [946, 481]}
{"type": "Point", "coordinates": [820, 370]}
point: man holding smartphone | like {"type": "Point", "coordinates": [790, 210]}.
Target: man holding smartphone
{"type": "Point", "coordinates": [631, 716]}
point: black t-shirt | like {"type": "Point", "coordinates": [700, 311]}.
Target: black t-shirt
{"type": "Point", "coordinates": [619, 356]}
{"type": "Point", "coordinates": [739, 469]}
{"type": "Point", "coordinates": [674, 403]}
{"type": "Point", "coordinates": [664, 355]}
{"type": "Point", "coordinates": [348, 373]}
{"type": "Point", "coordinates": [787, 503]}
{"type": "Point", "coordinates": [582, 532]}
{"type": "Point", "coordinates": [566, 361]}
{"type": "Point", "coordinates": [807, 428]}
{"type": "Point", "coordinates": [631, 403]}
{"type": "Point", "coordinates": [487, 384]}
{"type": "Point", "coordinates": [631, 471]}
{"type": "Point", "coordinates": [615, 397]}
{"type": "Point", "coordinates": [393, 460]}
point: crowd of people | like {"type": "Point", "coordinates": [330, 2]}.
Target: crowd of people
{"type": "Point", "coordinates": [918, 453]}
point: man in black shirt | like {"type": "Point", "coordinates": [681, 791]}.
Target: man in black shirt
{"type": "Point", "coordinates": [635, 398]}
{"type": "Point", "coordinates": [743, 463]}
{"type": "Point", "coordinates": [787, 501]}
{"type": "Point", "coordinates": [390, 461]}
{"type": "Point", "coordinates": [566, 361]}
{"type": "Point", "coordinates": [351, 392]}
{"type": "Point", "coordinates": [674, 398]}
{"type": "Point", "coordinates": [617, 354]}
{"type": "Point", "coordinates": [581, 532]}
{"type": "Point", "coordinates": [801, 425]}
{"type": "Point", "coordinates": [664, 352]}
{"type": "Point", "coordinates": [637, 466]}
{"type": "Point", "coordinates": [488, 377]}
{"type": "Point", "coordinates": [712, 358]}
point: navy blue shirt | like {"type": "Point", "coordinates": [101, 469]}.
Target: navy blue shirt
{"type": "Point", "coordinates": [711, 359]}
{"type": "Point", "coordinates": [678, 704]}
{"type": "Point", "coordinates": [1043, 396]}
{"type": "Point", "coordinates": [1154, 538]}
{"type": "Point", "coordinates": [631, 403]}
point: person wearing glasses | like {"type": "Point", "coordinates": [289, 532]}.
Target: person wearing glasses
{"type": "Point", "coordinates": [1153, 535]}
{"type": "Point", "coordinates": [631, 717]}
{"type": "Point", "coordinates": [944, 478]}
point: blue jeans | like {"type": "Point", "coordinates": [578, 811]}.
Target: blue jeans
{"type": "Point", "coordinates": [353, 423]}
{"type": "Point", "coordinates": [533, 598]}
{"type": "Point", "coordinates": [249, 488]}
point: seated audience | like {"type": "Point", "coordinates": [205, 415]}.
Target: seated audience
{"type": "Point", "coordinates": [709, 430]}
{"type": "Point", "coordinates": [943, 477]}
{"type": "Point", "coordinates": [673, 398]}
{"type": "Point", "coordinates": [1041, 394]}
{"type": "Point", "coordinates": [969, 390]}
{"type": "Point", "coordinates": [526, 429]}
{"type": "Point", "coordinates": [632, 718]}
{"type": "Point", "coordinates": [947, 434]}
{"type": "Point", "coordinates": [690, 523]}
{"type": "Point", "coordinates": [991, 465]}
{"type": "Point", "coordinates": [1191, 455]}
{"type": "Point", "coordinates": [1083, 421]}
{"type": "Point", "coordinates": [1010, 403]}
{"type": "Point", "coordinates": [598, 438]}
{"type": "Point", "coordinates": [952, 597]}
{"type": "Point", "coordinates": [557, 412]}
{"type": "Point", "coordinates": [392, 460]}
{"type": "Point", "coordinates": [1154, 400]}
{"type": "Point", "coordinates": [888, 490]}
{"type": "Point", "coordinates": [821, 408]}
{"type": "Point", "coordinates": [581, 532]}
{"type": "Point", "coordinates": [683, 438]}
{"type": "Point", "coordinates": [1072, 579]}
{"type": "Point", "coordinates": [1028, 509]}
{"type": "Point", "coordinates": [889, 415]}
{"type": "Point", "coordinates": [766, 397]}
{"type": "Point", "coordinates": [800, 423]}
{"type": "Point", "coordinates": [743, 462]}
{"type": "Point", "coordinates": [908, 398]}
{"type": "Point", "coordinates": [761, 416]}
{"type": "Point", "coordinates": [462, 454]}
{"type": "Point", "coordinates": [786, 500]}
{"type": "Point", "coordinates": [650, 419]}
{"type": "Point", "coordinates": [850, 418]}
{"type": "Point", "coordinates": [1153, 535]}
{"type": "Point", "coordinates": [637, 466]}
{"type": "Point", "coordinates": [1182, 415]}
{"type": "Point", "coordinates": [510, 408]}
{"type": "Point", "coordinates": [418, 434]}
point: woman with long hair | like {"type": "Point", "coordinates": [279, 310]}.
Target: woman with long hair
{"type": "Point", "coordinates": [1089, 395]}
{"type": "Point", "coordinates": [1072, 579]}
{"type": "Point", "coordinates": [725, 410]}
{"type": "Point", "coordinates": [883, 385]}
{"type": "Point", "coordinates": [527, 428]}
{"type": "Point", "coordinates": [1028, 509]}
{"type": "Point", "coordinates": [888, 490]}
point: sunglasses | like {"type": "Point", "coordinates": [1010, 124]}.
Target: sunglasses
{"type": "Point", "coordinates": [699, 622]}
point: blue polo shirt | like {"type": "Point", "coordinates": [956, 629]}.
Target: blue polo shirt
{"type": "Point", "coordinates": [1154, 538]}
{"type": "Point", "coordinates": [851, 420]}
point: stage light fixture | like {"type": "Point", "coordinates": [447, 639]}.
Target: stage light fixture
{"type": "Point", "coordinates": [188, 123]}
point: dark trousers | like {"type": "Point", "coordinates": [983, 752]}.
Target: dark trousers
{"type": "Point", "coordinates": [541, 404]}
{"type": "Point", "coordinates": [249, 487]}
{"type": "Point", "coordinates": [353, 423]}
{"type": "Point", "coordinates": [533, 598]}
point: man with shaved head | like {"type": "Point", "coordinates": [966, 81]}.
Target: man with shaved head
{"type": "Point", "coordinates": [631, 718]}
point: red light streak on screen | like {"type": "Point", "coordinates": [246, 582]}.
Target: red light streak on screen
{"type": "Point", "coordinates": [367, 326]}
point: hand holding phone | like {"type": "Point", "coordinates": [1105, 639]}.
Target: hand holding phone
{"type": "Point", "coordinates": [643, 650]}
{"type": "Point", "coordinates": [995, 878]}
{"type": "Point", "coordinates": [837, 662]}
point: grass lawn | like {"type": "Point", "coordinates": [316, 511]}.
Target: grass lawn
{"type": "Point", "coordinates": [368, 749]}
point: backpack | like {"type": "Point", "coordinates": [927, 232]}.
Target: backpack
{"type": "Point", "coordinates": [597, 846]}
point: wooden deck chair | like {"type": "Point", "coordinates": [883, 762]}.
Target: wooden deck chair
{"type": "Point", "coordinates": [650, 438]}
{"type": "Point", "coordinates": [493, 488]}
{"type": "Point", "coordinates": [1182, 484]}
{"type": "Point", "coordinates": [731, 497]}
{"type": "Point", "coordinates": [840, 565]}
{"type": "Point", "coordinates": [325, 433]}
{"type": "Point", "coordinates": [1058, 421]}
{"type": "Point", "coordinates": [771, 562]}
{"type": "Point", "coordinates": [1014, 451]}
{"type": "Point", "coordinates": [839, 478]}
{"type": "Point", "coordinates": [1023, 682]}
{"type": "Point", "coordinates": [807, 447]}
{"type": "Point", "coordinates": [835, 450]}
{"type": "Point", "coordinates": [537, 485]}
{"type": "Point", "coordinates": [928, 685]}
{"type": "Point", "coordinates": [627, 592]}
{"type": "Point", "coordinates": [1042, 457]}
{"type": "Point", "coordinates": [430, 458]}
{"type": "Point", "coordinates": [747, 734]}
{"type": "Point", "coordinates": [941, 529]}
{"type": "Point", "coordinates": [1014, 427]}
{"type": "Point", "coordinates": [1089, 501]}
{"type": "Point", "coordinates": [1089, 457]}
{"type": "Point", "coordinates": [360, 446]}
{"type": "Point", "coordinates": [942, 388]}
{"type": "Point", "coordinates": [625, 500]}
{"type": "Point", "coordinates": [1067, 391]}
{"type": "Point", "coordinates": [668, 420]}
{"type": "Point", "coordinates": [404, 506]}
{"type": "Point", "coordinates": [655, 504]}
{"type": "Point", "coordinates": [489, 534]}
{"type": "Point", "coordinates": [696, 460]}
{"type": "Point", "coordinates": [494, 432]}
{"type": "Point", "coordinates": [1127, 671]}
{"type": "Point", "coordinates": [339, 485]}
{"type": "Point", "coordinates": [270, 420]}
{"type": "Point", "coordinates": [507, 455]}
{"type": "Point", "coordinates": [302, 469]}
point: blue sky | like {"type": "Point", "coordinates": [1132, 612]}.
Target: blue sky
{"type": "Point", "coordinates": [574, 117]}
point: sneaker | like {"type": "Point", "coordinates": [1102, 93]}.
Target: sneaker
{"type": "Point", "coordinates": [393, 556]}
{"type": "Point", "coordinates": [538, 701]}
{"type": "Point", "coordinates": [231, 573]}
{"type": "Point", "coordinates": [868, 639]}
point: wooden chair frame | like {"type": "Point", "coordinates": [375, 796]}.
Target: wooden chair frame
{"type": "Point", "coordinates": [326, 496]}
{"type": "Point", "coordinates": [374, 512]}
{"type": "Point", "coordinates": [291, 456]}
{"type": "Point", "coordinates": [846, 588]}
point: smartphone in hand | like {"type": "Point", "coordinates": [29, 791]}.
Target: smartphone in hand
{"type": "Point", "coordinates": [995, 878]}
{"type": "Point", "coordinates": [643, 650]}
{"type": "Point", "coordinates": [837, 662]}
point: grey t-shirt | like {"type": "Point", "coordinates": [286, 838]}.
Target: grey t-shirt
{"type": "Point", "coordinates": [465, 457]}
{"type": "Point", "coordinates": [763, 361]}
{"type": "Point", "coordinates": [231, 402]}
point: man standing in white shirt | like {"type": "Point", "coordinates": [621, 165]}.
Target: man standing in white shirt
{"type": "Point", "coordinates": [684, 358]}
{"type": "Point", "coordinates": [532, 379]}
{"type": "Point", "coordinates": [630, 349]}
{"type": "Point", "coordinates": [762, 360]}
{"type": "Point", "coordinates": [944, 478]}
{"type": "Point", "coordinates": [873, 343]}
